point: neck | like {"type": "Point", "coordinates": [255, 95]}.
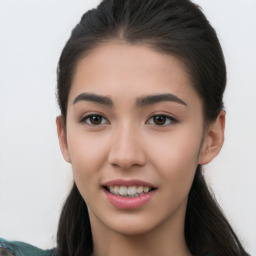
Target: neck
{"type": "Point", "coordinates": [166, 240]}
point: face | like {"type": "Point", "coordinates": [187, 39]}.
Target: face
{"type": "Point", "coordinates": [133, 135]}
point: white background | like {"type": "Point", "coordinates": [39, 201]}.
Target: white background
{"type": "Point", "coordinates": [34, 179]}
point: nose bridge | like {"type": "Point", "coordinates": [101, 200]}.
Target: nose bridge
{"type": "Point", "coordinates": [126, 148]}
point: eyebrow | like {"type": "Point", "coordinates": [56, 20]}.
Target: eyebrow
{"type": "Point", "coordinates": [140, 102]}
{"type": "Point", "coordinates": [153, 99]}
{"type": "Point", "coordinates": [103, 100]}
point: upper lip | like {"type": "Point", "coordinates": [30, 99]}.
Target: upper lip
{"type": "Point", "coordinates": [133, 182]}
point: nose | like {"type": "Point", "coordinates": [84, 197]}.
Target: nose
{"type": "Point", "coordinates": [126, 149]}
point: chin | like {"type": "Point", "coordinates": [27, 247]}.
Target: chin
{"type": "Point", "coordinates": [133, 227]}
{"type": "Point", "coordinates": [134, 230]}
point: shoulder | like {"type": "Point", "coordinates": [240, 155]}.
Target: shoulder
{"type": "Point", "coordinates": [22, 249]}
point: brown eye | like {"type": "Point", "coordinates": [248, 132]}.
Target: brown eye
{"type": "Point", "coordinates": [162, 120]}
{"type": "Point", "coordinates": [159, 120]}
{"type": "Point", "coordinates": [94, 120]}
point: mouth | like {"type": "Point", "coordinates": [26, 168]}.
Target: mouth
{"type": "Point", "coordinates": [128, 194]}
{"type": "Point", "coordinates": [128, 191]}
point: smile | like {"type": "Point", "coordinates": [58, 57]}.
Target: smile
{"type": "Point", "coordinates": [129, 194]}
{"type": "Point", "coordinates": [129, 191]}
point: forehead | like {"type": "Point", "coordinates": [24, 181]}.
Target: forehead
{"type": "Point", "coordinates": [119, 69]}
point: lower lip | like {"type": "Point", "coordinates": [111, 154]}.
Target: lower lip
{"type": "Point", "coordinates": [129, 202]}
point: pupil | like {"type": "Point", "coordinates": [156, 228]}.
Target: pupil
{"type": "Point", "coordinates": [160, 120]}
{"type": "Point", "coordinates": [95, 119]}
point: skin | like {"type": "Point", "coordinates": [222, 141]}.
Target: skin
{"type": "Point", "coordinates": [128, 143]}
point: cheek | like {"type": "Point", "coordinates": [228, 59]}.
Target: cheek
{"type": "Point", "coordinates": [175, 160]}
{"type": "Point", "coordinates": [175, 155]}
{"type": "Point", "coordinates": [88, 154]}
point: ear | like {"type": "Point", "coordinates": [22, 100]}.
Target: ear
{"type": "Point", "coordinates": [213, 140]}
{"type": "Point", "coordinates": [63, 138]}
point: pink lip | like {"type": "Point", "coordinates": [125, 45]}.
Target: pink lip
{"type": "Point", "coordinates": [121, 182]}
{"type": "Point", "coordinates": [129, 202]}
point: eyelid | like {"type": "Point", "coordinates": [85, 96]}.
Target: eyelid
{"type": "Point", "coordinates": [87, 116]}
{"type": "Point", "coordinates": [171, 118]}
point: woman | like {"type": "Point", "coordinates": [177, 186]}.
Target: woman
{"type": "Point", "coordinates": [140, 88]}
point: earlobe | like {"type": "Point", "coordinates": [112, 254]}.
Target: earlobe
{"type": "Point", "coordinates": [213, 140]}
{"type": "Point", "coordinates": [62, 138]}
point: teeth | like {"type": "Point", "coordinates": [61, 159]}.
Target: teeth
{"type": "Point", "coordinates": [130, 191]}
{"type": "Point", "coordinates": [123, 191]}
{"type": "Point", "coordinates": [140, 189]}
{"type": "Point", "coordinates": [116, 190]}
{"type": "Point", "coordinates": [145, 189]}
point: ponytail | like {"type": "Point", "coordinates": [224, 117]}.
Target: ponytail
{"type": "Point", "coordinates": [74, 232]}
{"type": "Point", "coordinates": [206, 228]}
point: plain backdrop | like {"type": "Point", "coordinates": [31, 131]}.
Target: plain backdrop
{"type": "Point", "coordinates": [34, 178]}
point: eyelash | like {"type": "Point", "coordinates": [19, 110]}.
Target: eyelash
{"type": "Point", "coordinates": [171, 120]}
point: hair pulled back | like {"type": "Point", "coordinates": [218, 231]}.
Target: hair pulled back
{"type": "Point", "coordinates": [177, 28]}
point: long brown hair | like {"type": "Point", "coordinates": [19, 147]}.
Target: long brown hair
{"type": "Point", "coordinates": [174, 27]}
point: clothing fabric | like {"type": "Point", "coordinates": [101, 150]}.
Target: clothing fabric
{"type": "Point", "coordinates": [23, 249]}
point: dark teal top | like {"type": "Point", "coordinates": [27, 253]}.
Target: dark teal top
{"type": "Point", "coordinates": [23, 249]}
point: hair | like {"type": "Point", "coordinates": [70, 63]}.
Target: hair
{"type": "Point", "coordinates": [173, 27]}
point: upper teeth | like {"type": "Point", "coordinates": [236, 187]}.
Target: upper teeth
{"type": "Point", "coordinates": [129, 191]}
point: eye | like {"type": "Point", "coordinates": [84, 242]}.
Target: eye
{"type": "Point", "coordinates": [94, 120]}
{"type": "Point", "coordinates": [161, 120]}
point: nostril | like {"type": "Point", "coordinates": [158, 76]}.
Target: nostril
{"type": "Point", "coordinates": [125, 154]}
